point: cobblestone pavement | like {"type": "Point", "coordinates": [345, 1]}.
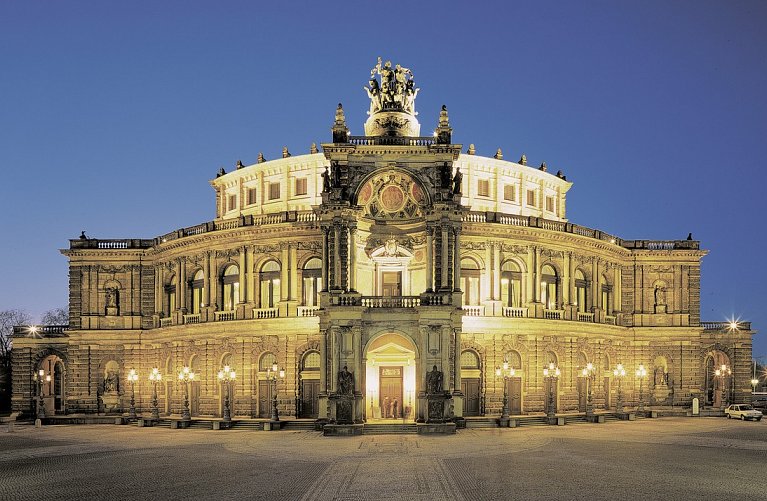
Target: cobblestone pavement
{"type": "Point", "coordinates": [668, 458]}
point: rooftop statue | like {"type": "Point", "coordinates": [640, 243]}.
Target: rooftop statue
{"type": "Point", "coordinates": [395, 92]}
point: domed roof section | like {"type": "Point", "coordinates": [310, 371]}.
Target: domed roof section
{"type": "Point", "coordinates": [392, 102]}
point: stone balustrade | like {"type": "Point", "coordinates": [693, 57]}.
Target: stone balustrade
{"type": "Point", "coordinates": [726, 326]}
{"type": "Point", "coordinates": [224, 316]}
{"type": "Point", "coordinates": [514, 312]}
{"type": "Point", "coordinates": [553, 314]}
{"type": "Point", "coordinates": [473, 311]}
{"type": "Point", "coordinates": [192, 318]}
{"type": "Point", "coordinates": [585, 317]}
{"type": "Point", "coordinates": [307, 311]}
{"type": "Point", "coordinates": [391, 301]}
{"type": "Point", "coordinates": [261, 313]}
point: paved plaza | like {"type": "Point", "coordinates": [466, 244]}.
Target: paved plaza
{"type": "Point", "coordinates": [667, 458]}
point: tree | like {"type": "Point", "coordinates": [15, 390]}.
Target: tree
{"type": "Point", "coordinates": [56, 316]}
{"type": "Point", "coordinates": [9, 318]}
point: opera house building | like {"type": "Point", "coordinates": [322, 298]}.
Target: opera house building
{"type": "Point", "coordinates": [392, 275]}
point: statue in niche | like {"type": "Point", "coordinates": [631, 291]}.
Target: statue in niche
{"type": "Point", "coordinates": [336, 173]}
{"type": "Point", "coordinates": [660, 376]}
{"type": "Point", "coordinates": [111, 382]}
{"type": "Point", "coordinates": [345, 382]}
{"type": "Point", "coordinates": [112, 300]}
{"type": "Point", "coordinates": [444, 173]}
{"type": "Point", "coordinates": [326, 181]}
{"type": "Point", "coordinates": [660, 296]}
{"type": "Point", "coordinates": [434, 381]}
{"type": "Point", "coordinates": [457, 179]}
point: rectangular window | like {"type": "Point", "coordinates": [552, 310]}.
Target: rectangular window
{"type": "Point", "coordinates": [531, 198]}
{"type": "Point", "coordinates": [232, 202]}
{"type": "Point", "coordinates": [301, 186]}
{"type": "Point", "coordinates": [483, 188]}
{"type": "Point", "coordinates": [252, 195]}
{"type": "Point", "coordinates": [510, 193]}
{"type": "Point", "coordinates": [274, 191]}
{"type": "Point", "coordinates": [550, 204]}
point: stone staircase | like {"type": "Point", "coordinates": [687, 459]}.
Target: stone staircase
{"type": "Point", "coordinates": [299, 425]}
{"type": "Point", "coordinates": [481, 422]}
{"type": "Point", "coordinates": [390, 429]}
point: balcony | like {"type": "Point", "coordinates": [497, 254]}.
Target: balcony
{"type": "Point", "coordinates": [473, 311]}
{"type": "Point", "coordinates": [554, 314]}
{"type": "Point", "coordinates": [585, 317]}
{"type": "Point", "coordinates": [308, 311]}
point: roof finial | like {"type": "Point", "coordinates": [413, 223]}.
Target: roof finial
{"type": "Point", "coordinates": [543, 167]}
{"type": "Point", "coordinates": [523, 159]}
{"type": "Point", "coordinates": [314, 149]}
{"type": "Point", "coordinates": [340, 131]}
{"type": "Point", "coordinates": [471, 150]}
{"type": "Point", "coordinates": [260, 158]}
{"type": "Point", "coordinates": [285, 152]}
{"type": "Point", "coordinates": [239, 165]}
{"type": "Point", "coordinates": [220, 172]}
{"type": "Point", "coordinates": [498, 154]}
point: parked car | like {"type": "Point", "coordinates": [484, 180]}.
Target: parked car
{"type": "Point", "coordinates": [742, 411]}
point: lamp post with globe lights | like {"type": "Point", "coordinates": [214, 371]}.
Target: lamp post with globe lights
{"type": "Point", "coordinates": [273, 375]}
{"type": "Point", "coordinates": [641, 373]}
{"type": "Point", "coordinates": [132, 378]}
{"type": "Point", "coordinates": [226, 376]}
{"type": "Point", "coordinates": [588, 374]}
{"type": "Point", "coordinates": [619, 373]}
{"type": "Point", "coordinates": [550, 375]}
{"type": "Point", "coordinates": [155, 377]}
{"type": "Point", "coordinates": [185, 376]}
{"type": "Point", "coordinates": [39, 377]}
{"type": "Point", "coordinates": [506, 372]}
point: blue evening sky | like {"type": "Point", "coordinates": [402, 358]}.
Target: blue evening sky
{"type": "Point", "coordinates": [115, 115]}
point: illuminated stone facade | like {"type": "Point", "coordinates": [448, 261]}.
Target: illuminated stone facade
{"type": "Point", "coordinates": [388, 254]}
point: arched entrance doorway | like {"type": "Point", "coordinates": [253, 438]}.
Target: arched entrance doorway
{"type": "Point", "coordinates": [53, 388]}
{"type": "Point", "coordinates": [390, 361]}
{"type": "Point", "coordinates": [717, 387]}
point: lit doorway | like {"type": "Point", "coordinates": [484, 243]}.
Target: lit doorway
{"type": "Point", "coordinates": [390, 378]}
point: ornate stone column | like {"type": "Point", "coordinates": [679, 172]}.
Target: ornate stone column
{"type": "Point", "coordinates": [206, 278]}
{"type": "Point", "coordinates": [445, 264]}
{"type": "Point", "coordinates": [352, 258]}
{"type": "Point", "coordinates": [325, 264]}
{"type": "Point", "coordinates": [182, 285]}
{"type": "Point", "coordinates": [497, 271]}
{"type": "Point", "coordinates": [337, 256]}
{"type": "Point", "coordinates": [429, 258]}
{"type": "Point", "coordinates": [242, 278]}
{"type": "Point", "coordinates": [457, 260]}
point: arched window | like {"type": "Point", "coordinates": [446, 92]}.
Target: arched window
{"type": "Point", "coordinates": [267, 361]}
{"type": "Point", "coordinates": [549, 287]}
{"type": "Point", "coordinates": [511, 284]}
{"type": "Point", "coordinates": [470, 282]}
{"type": "Point", "coordinates": [581, 291]}
{"type": "Point", "coordinates": [230, 282]}
{"type": "Point", "coordinates": [170, 296]}
{"type": "Point", "coordinates": [514, 359]}
{"type": "Point", "coordinates": [607, 296]}
{"type": "Point", "coordinates": [270, 284]}
{"type": "Point", "coordinates": [311, 361]}
{"type": "Point", "coordinates": [196, 284]}
{"type": "Point", "coordinates": [312, 278]}
{"type": "Point", "coordinates": [469, 359]}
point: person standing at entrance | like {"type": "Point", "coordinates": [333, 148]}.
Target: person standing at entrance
{"type": "Point", "coordinates": [395, 408]}
{"type": "Point", "coordinates": [385, 408]}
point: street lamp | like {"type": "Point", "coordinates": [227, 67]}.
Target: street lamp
{"type": "Point", "coordinates": [588, 373]}
{"type": "Point", "coordinates": [641, 373]}
{"type": "Point", "coordinates": [272, 375]}
{"type": "Point", "coordinates": [722, 372]}
{"type": "Point", "coordinates": [754, 380]}
{"type": "Point", "coordinates": [226, 376]}
{"type": "Point", "coordinates": [619, 373]}
{"type": "Point", "coordinates": [132, 378]}
{"type": "Point", "coordinates": [550, 375]}
{"type": "Point", "coordinates": [155, 377]}
{"type": "Point", "coordinates": [185, 376]}
{"type": "Point", "coordinates": [506, 372]}
{"type": "Point", "coordinates": [39, 377]}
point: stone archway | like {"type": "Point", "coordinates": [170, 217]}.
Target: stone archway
{"type": "Point", "coordinates": [391, 370]}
